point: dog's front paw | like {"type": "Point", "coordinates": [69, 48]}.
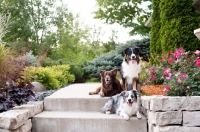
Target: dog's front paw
{"type": "Point", "coordinates": [126, 117]}
{"type": "Point", "coordinates": [139, 116]}
{"type": "Point", "coordinates": [101, 94]}
{"type": "Point", "coordinates": [108, 112]}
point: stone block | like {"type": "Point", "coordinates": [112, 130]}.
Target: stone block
{"type": "Point", "coordinates": [146, 102]}
{"type": "Point", "coordinates": [39, 104]}
{"type": "Point", "coordinates": [165, 118]}
{"type": "Point", "coordinates": [176, 129]}
{"type": "Point", "coordinates": [169, 103]}
{"type": "Point", "coordinates": [33, 107]}
{"type": "Point", "coordinates": [26, 127]}
{"type": "Point", "coordinates": [13, 119]}
{"type": "Point", "coordinates": [4, 130]}
{"type": "Point", "coordinates": [191, 118]}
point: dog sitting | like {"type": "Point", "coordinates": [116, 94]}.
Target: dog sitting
{"type": "Point", "coordinates": [125, 104]}
{"type": "Point", "coordinates": [130, 69]}
{"type": "Point", "coordinates": [109, 84]}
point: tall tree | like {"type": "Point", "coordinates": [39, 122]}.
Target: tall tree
{"type": "Point", "coordinates": [128, 13]}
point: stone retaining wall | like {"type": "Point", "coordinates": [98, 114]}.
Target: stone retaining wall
{"type": "Point", "coordinates": [172, 114]}
{"type": "Point", "coordinates": [19, 119]}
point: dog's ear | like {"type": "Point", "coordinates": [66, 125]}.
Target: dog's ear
{"type": "Point", "coordinates": [136, 94]}
{"type": "Point", "coordinates": [122, 93]}
{"type": "Point", "coordinates": [102, 72]}
{"type": "Point", "coordinates": [138, 49]}
{"type": "Point", "coordinates": [114, 72]}
{"type": "Point", "coordinates": [125, 51]}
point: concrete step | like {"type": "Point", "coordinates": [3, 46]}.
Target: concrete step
{"type": "Point", "coordinates": [75, 98]}
{"type": "Point", "coordinates": [60, 121]}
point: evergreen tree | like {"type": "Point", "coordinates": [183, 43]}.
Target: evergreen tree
{"type": "Point", "coordinates": [178, 20]}
{"type": "Point", "coordinates": [155, 42]}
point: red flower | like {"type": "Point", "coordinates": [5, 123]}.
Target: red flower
{"type": "Point", "coordinates": [153, 78]}
{"type": "Point", "coordinates": [170, 60]}
{"type": "Point", "coordinates": [166, 88]}
{"type": "Point", "coordinates": [197, 63]}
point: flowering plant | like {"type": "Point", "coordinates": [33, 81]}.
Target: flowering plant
{"type": "Point", "coordinates": [154, 75]}
{"type": "Point", "coordinates": [181, 73]}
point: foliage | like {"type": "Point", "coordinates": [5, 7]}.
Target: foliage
{"type": "Point", "coordinates": [78, 71]}
{"type": "Point", "coordinates": [11, 66]}
{"type": "Point", "coordinates": [154, 75]}
{"type": "Point", "coordinates": [51, 77]}
{"type": "Point", "coordinates": [21, 95]}
{"type": "Point", "coordinates": [108, 61]}
{"type": "Point", "coordinates": [144, 45]}
{"type": "Point", "coordinates": [182, 73]}
{"type": "Point", "coordinates": [179, 72]}
{"type": "Point", "coordinates": [125, 12]}
{"type": "Point", "coordinates": [5, 102]}
{"type": "Point", "coordinates": [4, 24]}
{"type": "Point", "coordinates": [155, 42]}
{"type": "Point", "coordinates": [178, 21]}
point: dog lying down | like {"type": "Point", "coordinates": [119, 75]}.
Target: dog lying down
{"type": "Point", "coordinates": [125, 104]}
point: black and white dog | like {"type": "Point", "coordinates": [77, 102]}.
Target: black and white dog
{"type": "Point", "coordinates": [130, 69]}
{"type": "Point", "coordinates": [125, 104]}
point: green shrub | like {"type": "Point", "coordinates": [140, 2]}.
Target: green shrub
{"type": "Point", "coordinates": [143, 44]}
{"type": "Point", "coordinates": [108, 61]}
{"type": "Point", "coordinates": [178, 22]}
{"type": "Point", "coordinates": [155, 42]}
{"type": "Point", "coordinates": [51, 77]}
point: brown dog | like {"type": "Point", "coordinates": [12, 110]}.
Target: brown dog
{"type": "Point", "coordinates": [110, 85]}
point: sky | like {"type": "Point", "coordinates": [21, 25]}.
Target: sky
{"type": "Point", "coordinates": [85, 8]}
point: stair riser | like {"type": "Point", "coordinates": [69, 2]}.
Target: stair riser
{"type": "Point", "coordinates": [87, 125]}
{"type": "Point", "coordinates": [75, 104]}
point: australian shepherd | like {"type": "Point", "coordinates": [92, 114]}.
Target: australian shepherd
{"type": "Point", "coordinates": [110, 85]}
{"type": "Point", "coordinates": [130, 69]}
{"type": "Point", "coordinates": [125, 104]}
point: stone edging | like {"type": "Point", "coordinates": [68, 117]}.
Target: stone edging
{"type": "Point", "coordinates": [172, 114]}
{"type": "Point", "coordinates": [19, 119]}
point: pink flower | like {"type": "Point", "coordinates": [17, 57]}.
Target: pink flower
{"type": "Point", "coordinates": [184, 75]}
{"type": "Point", "coordinates": [197, 52]}
{"type": "Point", "coordinates": [177, 74]}
{"type": "Point", "coordinates": [179, 80]}
{"type": "Point", "coordinates": [166, 88]}
{"type": "Point", "coordinates": [197, 63]}
{"type": "Point", "coordinates": [167, 72]}
{"type": "Point", "coordinates": [177, 61]}
{"type": "Point", "coordinates": [153, 78]}
{"type": "Point", "coordinates": [160, 61]}
{"type": "Point", "coordinates": [168, 78]}
{"type": "Point", "coordinates": [150, 68]}
{"type": "Point", "coordinates": [164, 56]}
{"type": "Point", "coordinates": [170, 60]}
{"type": "Point", "coordinates": [178, 53]}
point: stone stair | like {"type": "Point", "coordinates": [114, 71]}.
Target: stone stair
{"type": "Point", "coordinates": [71, 109]}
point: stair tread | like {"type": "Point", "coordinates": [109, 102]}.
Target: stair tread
{"type": "Point", "coordinates": [77, 91]}
{"type": "Point", "coordinates": [79, 114]}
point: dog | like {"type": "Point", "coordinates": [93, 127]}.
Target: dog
{"type": "Point", "coordinates": [109, 84]}
{"type": "Point", "coordinates": [125, 104]}
{"type": "Point", "coordinates": [130, 69]}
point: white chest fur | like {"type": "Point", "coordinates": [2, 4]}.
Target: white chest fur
{"type": "Point", "coordinates": [130, 111]}
{"type": "Point", "coordinates": [130, 71]}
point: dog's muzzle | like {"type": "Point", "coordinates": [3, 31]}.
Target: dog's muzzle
{"type": "Point", "coordinates": [129, 102]}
